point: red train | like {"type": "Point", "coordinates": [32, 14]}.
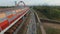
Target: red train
{"type": "Point", "coordinates": [8, 17]}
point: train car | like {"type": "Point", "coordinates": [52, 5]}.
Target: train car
{"type": "Point", "coordinates": [3, 21]}
{"type": "Point", "coordinates": [8, 17]}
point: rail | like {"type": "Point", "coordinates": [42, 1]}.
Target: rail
{"type": "Point", "coordinates": [49, 20]}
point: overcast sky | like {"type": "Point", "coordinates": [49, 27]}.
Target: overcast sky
{"type": "Point", "coordinates": [30, 2]}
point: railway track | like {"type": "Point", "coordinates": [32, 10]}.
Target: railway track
{"type": "Point", "coordinates": [13, 28]}
{"type": "Point", "coordinates": [19, 26]}
{"type": "Point", "coordinates": [24, 27]}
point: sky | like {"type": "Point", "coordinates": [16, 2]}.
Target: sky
{"type": "Point", "coordinates": [30, 2]}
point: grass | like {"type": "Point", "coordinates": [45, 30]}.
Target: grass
{"type": "Point", "coordinates": [48, 12]}
{"type": "Point", "coordinates": [38, 30]}
{"type": "Point", "coordinates": [50, 30]}
{"type": "Point", "coordinates": [41, 15]}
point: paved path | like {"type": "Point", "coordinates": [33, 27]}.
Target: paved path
{"type": "Point", "coordinates": [32, 24]}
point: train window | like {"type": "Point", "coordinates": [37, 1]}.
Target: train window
{"type": "Point", "coordinates": [9, 14]}
{"type": "Point", "coordinates": [17, 11]}
{"type": "Point", "coordinates": [13, 12]}
{"type": "Point", "coordinates": [2, 15]}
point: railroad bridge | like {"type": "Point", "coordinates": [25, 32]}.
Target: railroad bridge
{"type": "Point", "coordinates": [19, 20]}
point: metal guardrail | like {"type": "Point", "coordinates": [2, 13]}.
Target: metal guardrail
{"type": "Point", "coordinates": [49, 20]}
{"type": "Point", "coordinates": [41, 26]}
{"type": "Point", "coordinates": [19, 27]}
{"type": "Point", "coordinates": [21, 24]}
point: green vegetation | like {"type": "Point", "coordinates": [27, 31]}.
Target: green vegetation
{"type": "Point", "coordinates": [41, 15]}
{"type": "Point", "coordinates": [38, 29]}
{"type": "Point", "coordinates": [6, 6]}
{"type": "Point", "coordinates": [50, 30]}
{"type": "Point", "coordinates": [51, 12]}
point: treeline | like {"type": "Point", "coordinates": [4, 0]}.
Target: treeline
{"type": "Point", "coordinates": [6, 6]}
{"type": "Point", "coordinates": [51, 12]}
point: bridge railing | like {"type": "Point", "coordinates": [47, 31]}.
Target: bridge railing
{"type": "Point", "coordinates": [39, 22]}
